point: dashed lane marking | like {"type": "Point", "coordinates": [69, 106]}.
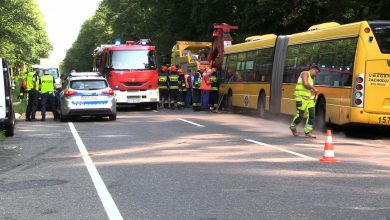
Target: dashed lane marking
{"type": "Point", "coordinates": [280, 149]}
{"type": "Point", "coordinates": [105, 197]}
{"type": "Point", "coordinates": [193, 123]}
{"type": "Point", "coordinates": [155, 111]}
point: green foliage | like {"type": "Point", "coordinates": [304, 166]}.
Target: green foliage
{"type": "Point", "coordinates": [167, 21]}
{"type": "Point", "coordinates": [23, 38]}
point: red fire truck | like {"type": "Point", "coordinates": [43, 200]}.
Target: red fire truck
{"type": "Point", "coordinates": [131, 71]}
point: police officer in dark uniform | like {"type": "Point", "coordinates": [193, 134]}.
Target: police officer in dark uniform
{"type": "Point", "coordinates": [47, 83]}
{"type": "Point", "coordinates": [33, 94]}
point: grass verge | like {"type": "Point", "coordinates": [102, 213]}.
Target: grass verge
{"type": "Point", "coordinates": [2, 136]}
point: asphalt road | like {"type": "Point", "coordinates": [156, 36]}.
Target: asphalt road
{"type": "Point", "coordinates": [185, 165]}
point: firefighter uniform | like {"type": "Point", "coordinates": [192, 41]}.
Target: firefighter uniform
{"type": "Point", "coordinates": [196, 92]}
{"type": "Point", "coordinates": [163, 87]}
{"type": "Point", "coordinates": [182, 89]}
{"type": "Point", "coordinates": [304, 104]}
{"type": "Point", "coordinates": [188, 93]}
{"type": "Point", "coordinates": [47, 90]}
{"type": "Point", "coordinates": [173, 87]}
{"type": "Point", "coordinates": [213, 99]}
{"type": "Point", "coordinates": [33, 95]}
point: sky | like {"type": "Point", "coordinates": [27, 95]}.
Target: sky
{"type": "Point", "coordinates": [63, 20]}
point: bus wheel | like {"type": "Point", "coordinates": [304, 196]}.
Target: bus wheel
{"type": "Point", "coordinates": [112, 117]}
{"type": "Point", "coordinates": [320, 122]}
{"type": "Point", "coordinates": [261, 105]}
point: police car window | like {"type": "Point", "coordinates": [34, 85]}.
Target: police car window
{"type": "Point", "coordinates": [88, 84]}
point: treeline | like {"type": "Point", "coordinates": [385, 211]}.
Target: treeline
{"type": "Point", "coordinates": [23, 38]}
{"type": "Point", "coordinates": [167, 21]}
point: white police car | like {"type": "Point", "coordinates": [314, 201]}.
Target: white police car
{"type": "Point", "coordinates": [87, 94]}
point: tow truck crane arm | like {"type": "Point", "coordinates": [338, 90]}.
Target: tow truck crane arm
{"type": "Point", "coordinates": [221, 38]}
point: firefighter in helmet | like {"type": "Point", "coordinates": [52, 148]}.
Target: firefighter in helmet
{"type": "Point", "coordinates": [213, 98]}
{"type": "Point", "coordinates": [173, 87]}
{"type": "Point", "coordinates": [196, 92]}
{"type": "Point", "coordinates": [163, 86]}
{"type": "Point", "coordinates": [182, 89]}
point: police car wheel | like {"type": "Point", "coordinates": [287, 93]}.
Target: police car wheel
{"type": "Point", "coordinates": [112, 117]}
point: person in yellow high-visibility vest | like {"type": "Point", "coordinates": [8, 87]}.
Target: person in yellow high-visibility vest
{"type": "Point", "coordinates": [33, 94]}
{"type": "Point", "coordinates": [47, 83]}
{"type": "Point", "coordinates": [304, 97]}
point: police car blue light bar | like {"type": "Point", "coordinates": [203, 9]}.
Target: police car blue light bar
{"type": "Point", "coordinates": [78, 74]}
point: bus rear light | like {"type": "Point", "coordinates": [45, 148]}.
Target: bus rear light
{"type": "Point", "coordinates": [358, 102]}
{"type": "Point", "coordinates": [367, 30]}
{"type": "Point", "coordinates": [69, 93]}
{"type": "Point", "coordinates": [358, 93]}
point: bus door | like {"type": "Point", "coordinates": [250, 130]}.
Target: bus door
{"type": "Point", "coordinates": [377, 83]}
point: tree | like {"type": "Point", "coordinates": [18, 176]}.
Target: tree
{"type": "Point", "coordinates": [23, 38]}
{"type": "Point", "coordinates": [168, 21]}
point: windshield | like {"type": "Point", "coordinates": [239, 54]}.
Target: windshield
{"type": "Point", "coordinates": [52, 71]}
{"type": "Point", "coordinates": [88, 84]}
{"type": "Point", "coordinates": [133, 60]}
{"type": "Point", "coordinates": [382, 35]}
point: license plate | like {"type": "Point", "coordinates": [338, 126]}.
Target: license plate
{"type": "Point", "coordinates": [384, 120]}
{"type": "Point", "coordinates": [133, 100]}
{"type": "Point", "coordinates": [89, 97]}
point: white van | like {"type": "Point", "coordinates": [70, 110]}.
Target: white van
{"type": "Point", "coordinates": [7, 115]}
{"type": "Point", "coordinates": [53, 68]}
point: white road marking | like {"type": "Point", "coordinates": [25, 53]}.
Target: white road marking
{"type": "Point", "coordinates": [107, 201]}
{"type": "Point", "coordinates": [281, 149]}
{"type": "Point", "coordinates": [193, 123]}
{"type": "Point", "coordinates": [155, 111]}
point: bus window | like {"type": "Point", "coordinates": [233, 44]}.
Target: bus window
{"type": "Point", "coordinates": [305, 57]}
{"type": "Point", "coordinates": [382, 35]}
{"type": "Point", "coordinates": [223, 70]}
{"type": "Point", "coordinates": [336, 59]}
{"type": "Point", "coordinates": [250, 74]}
{"type": "Point", "coordinates": [349, 61]}
{"type": "Point", "coordinates": [327, 55]}
{"type": "Point", "coordinates": [264, 61]}
{"type": "Point", "coordinates": [240, 68]}
{"type": "Point", "coordinates": [231, 67]}
{"type": "Point", "coordinates": [291, 71]}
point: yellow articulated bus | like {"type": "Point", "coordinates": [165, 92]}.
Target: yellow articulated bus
{"type": "Point", "coordinates": [189, 55]}
{"type": "Point", "coordinates": [353, 83]}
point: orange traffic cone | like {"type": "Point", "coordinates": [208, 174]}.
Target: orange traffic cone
{"type": "Point", "coordinates": [328, 149]}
